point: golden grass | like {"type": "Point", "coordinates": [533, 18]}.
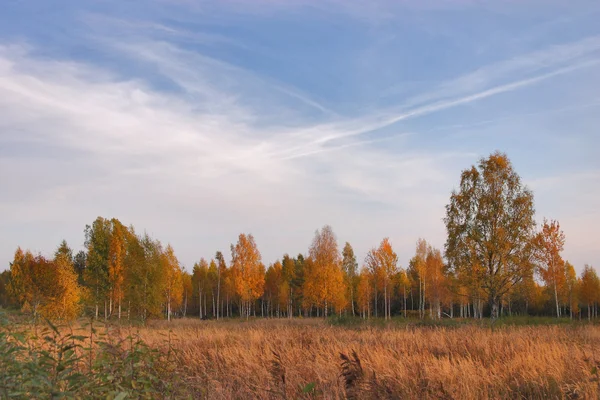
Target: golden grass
{"type": "Point", "coordinates": [310, 359]}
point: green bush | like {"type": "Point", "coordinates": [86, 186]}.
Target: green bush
{"type": "Point", "coordinates": [51, 363]}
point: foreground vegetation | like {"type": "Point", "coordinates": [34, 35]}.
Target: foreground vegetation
{"type": "Point", "coordinates": [302, 358]}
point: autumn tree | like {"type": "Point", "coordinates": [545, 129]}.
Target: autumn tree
{"type": "Point", "coordinates": [5, 297]}
{"type": "Point", "coordinates": [590, 290]}
{"type": "Point", "coordinates": [173, 287]}
{"type": "Point", "coordinates": [382, 262]}
{"type": "Point", "coordinates": [404, 283]}
{"type": "Point", "coordinates": [45, 287]}
{"type": "Point", "coordinates": [364, 292]}
{"type": "Point", "coordinates": [324, 279]}
{"type": "Point", "coordinates": [547, 246]}
{"type": "Point", "coordinates": [248, 272]}
{"type": "Point", "coordinates": [290, 280]}
{"type": "Point", "coordinates": [436, 281]}
{"type": "Point", "coordinates": [221, 267]}
{"type": "Point", "coordinates": [186, 286]}
{"type": "Point", "coordinates": [65, 301]}
{"type": "Point", "coordinates": [275, 290]}
{"type": "Point", "coordinates": [200, 285]}
{"type": "Point", "coordinates": [418, 269]}
{"type": "Point", "coordinates": [116, 268]}
{"type": "Point", "coordinates": [350, 266]}
{"type": "Point", "coordinates": [229, 294]}
{"type": "Point", "coordinates": [31, 280]}
{"type": "Point", "coordinates": [213, 281]}
{"type": "Point", "coordinates": [572, 288]}
{"type": "Point", "coordinates": [489, 221]}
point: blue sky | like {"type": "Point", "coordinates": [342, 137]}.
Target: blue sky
{"type": "Point", "coordinates": [199, 120]}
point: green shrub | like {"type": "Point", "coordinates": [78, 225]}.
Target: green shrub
{"type": "Point", "coordinates": [49, 362]}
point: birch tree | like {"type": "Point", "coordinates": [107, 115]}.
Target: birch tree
{"type": "Point", "coordinates": [548, 244]}
{"type": "Point", "coordinates": [324, 280]}
{"type": "Point", "coordinates": [490, 224]}
{"type": "Point", "coordinates": [248, 272]}
{"type": "Point", "coordinates": [350, 266]}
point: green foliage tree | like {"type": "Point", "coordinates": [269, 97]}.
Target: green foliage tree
{"type": "Point", "coordinates": [79, 262]}
{"type": "Point", "coordinates": [144, 277]}
{"type": "Point", "coordinates": [96, 278]}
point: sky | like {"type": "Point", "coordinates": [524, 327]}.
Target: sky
{"type": "Point", "coordinates": [196, 121]}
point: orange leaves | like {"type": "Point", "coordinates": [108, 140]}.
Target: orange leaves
{"type": "Point", "coordinates": [247, 268]}
{"type": "Point", "coordinates": [589, 286]}
{"type": "Point", "coordinates": [116, 256]}
{"type": "Point", "coordinates": [382, 263]}
{"type": "Point", "coordinates": [364, 293]}
{"type": "Point", "coordinates": [46, 287]}
{"type": "Point", "coordinates": [324, 284]}
{"type": "Point", "coordinates": [173, 284]}
{"type": "Point", "coordinates": [547, 246]}
{"type": "Point", "coordinates": [427, 266]}
{"type": "Point", "coordinates": [276, 287]}
{"type": "Point", "coordinates": [489, 223]}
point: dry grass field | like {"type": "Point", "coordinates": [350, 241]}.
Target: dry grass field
{"type": "Point", "coordinates": [310, 359]}
{"type": "Point", "coordinates": [295, 359]}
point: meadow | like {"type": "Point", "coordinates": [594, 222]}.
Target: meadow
{"type": "Point", "coordinates": [306, 358]}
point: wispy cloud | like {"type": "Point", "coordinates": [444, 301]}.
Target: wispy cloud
{"type": "Point", "coordinates": [157, 127]}
{"type": "Point", "coordinates": [137, 140]}
{"type": "Point", "coordinates": [446, 97]}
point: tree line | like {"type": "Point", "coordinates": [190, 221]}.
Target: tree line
{"type": "Point", "coordinates": [495, 262]}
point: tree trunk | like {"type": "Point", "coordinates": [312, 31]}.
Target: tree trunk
{"type": "Point", "coordinates": [404, 301]}
{"type": "Point", "coordinates": [385, 311]}
{"type": "Point", "coordinates": [185, 305]}
{"type": "Point", "coordinates": [352, 297]}
{"type": "Point", "coordinates": [200, 301]}
{"type": "Point", "coordinates": [423, 299]}
{"type": "Point", "coordinates": [494, 307]}
{"type": "Point", "coordinates": [375, 302]}
{"type": "Point", "coordinates": [420, 298]}
{"type": "Point", "coordinates": [169, 308]}
{"type": "Point", "coordinates": [218, 290]}
{"type": "Point", "coordinates": [556, 300]}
